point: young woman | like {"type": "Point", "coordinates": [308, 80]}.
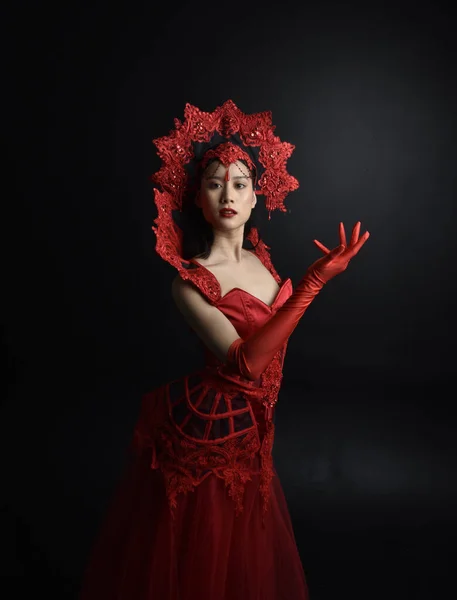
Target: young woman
{"type": "Point", "coordinates": [200, 512]}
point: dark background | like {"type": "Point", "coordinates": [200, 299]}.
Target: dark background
{"type": "Point", "coordinates": [365, 425]}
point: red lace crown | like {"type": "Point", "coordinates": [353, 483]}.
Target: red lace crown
{"type": "Point", "coordinates": [185, 147]}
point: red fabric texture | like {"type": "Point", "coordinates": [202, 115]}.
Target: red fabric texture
{"type": "Point", "coordinates": [227, 154]}
{"type": "Point", "coordinates": [200, 513]}
{"type": "Point", "coordinates": [251, 356]}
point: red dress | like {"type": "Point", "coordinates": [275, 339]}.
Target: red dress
{"type": "Point", "coordinates": [200, 513]}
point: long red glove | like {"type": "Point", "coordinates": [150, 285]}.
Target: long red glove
{"type": "Point", "coordinates": [250, 357]}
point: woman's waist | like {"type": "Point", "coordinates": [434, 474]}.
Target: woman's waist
{"type": "Point", "coordinates": [223, 379]}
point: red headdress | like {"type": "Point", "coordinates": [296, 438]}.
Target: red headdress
{"type": "Point", "coordinates": [230, 135]}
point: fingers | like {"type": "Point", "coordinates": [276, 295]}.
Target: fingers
{"type": "Point", "coordinates": [337, 251]}
{"type": "Point", "coordinates": [355, 234]}
{"type": "Point", "coordinates": [342, 235]}
{"type": "Point", "coordinates": [355, 243]}
{"type": "Point", "coordinates": [353, 251]}
{"type": "Point", "coordinates": [324, 249]}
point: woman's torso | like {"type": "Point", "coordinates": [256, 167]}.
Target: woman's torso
{"type": "Point", "coordinates": [249, 275]}
{"type": "Point", "coordinates": [213, 420]}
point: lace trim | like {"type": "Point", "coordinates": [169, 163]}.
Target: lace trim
{"type": "Point", "coordinates": [186, 463]}
{"type": "Point", "coordinates": [262, 252]}
{"type": "Point", "coordinates": [181, 446]}
{"type": "Point", "coordinates": [206, 281]}
{"type": "Point", "coordinates": [271, 380]}
{"type": "Point", "coordinates": [267, 471]}
{"type": "Point", "coordinates": [227, 154]}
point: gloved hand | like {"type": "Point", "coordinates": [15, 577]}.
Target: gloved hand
{"type": "Point", "coordinates": [337, 260]}
{"type": "Point", "coordinates": [250, 357]}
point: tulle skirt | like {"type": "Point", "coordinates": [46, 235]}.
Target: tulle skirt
{"type": "Point", "coordinates": [205, 553]}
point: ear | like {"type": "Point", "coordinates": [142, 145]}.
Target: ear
{"type": "Point", "coordinates": [254, 200]}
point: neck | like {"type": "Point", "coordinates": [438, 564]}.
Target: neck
{"type": "Point", "coordinates": [228, 246]}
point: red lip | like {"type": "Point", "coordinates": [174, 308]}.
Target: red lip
{"type": "Point", "coordinates": [228, 211]}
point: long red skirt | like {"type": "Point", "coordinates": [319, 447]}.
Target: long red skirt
{"type": "Point", "coordinates": [206, 553]}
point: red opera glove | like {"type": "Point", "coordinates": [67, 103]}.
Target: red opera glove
{"type": "Point", "coordinates": [251, 357]}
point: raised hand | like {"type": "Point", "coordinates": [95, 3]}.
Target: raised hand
{"type": "Point", "coordinates": [251, 356]}
{"type": "Point", "coordinates": [336, 261]}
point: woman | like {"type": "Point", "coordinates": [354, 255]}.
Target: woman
{"type": "Point", "coordinates": [200, 513]}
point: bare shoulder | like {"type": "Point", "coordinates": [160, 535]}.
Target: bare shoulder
{"type": "Point", "coordinates": [181, 288]}
{"type": "Point", "coordinates": [177, 281]}
{"type": "Point", "coordinates": [189, 300]}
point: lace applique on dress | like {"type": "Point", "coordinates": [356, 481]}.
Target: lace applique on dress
{"type": "Point", "coordinates": [262, 252]}
{"type": "Point", "coordinates": [168, 246]}
{"type": "Point", "coordinates": [218, 434]}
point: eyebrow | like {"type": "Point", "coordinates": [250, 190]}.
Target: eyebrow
{"type": "Point", "coordinates": [222, 178]}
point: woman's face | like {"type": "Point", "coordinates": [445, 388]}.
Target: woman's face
{"type": "Point", "coordinates": [233, 190]}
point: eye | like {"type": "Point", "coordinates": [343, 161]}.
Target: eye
{"type": "Point", "coordinates": [240, 186]}
{"type": "Point", "coordinates": [213, 184]}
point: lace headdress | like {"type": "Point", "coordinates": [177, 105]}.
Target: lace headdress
{"type": "Point", "coordinates": [228, 135]}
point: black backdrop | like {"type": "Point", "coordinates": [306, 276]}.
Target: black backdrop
{"type": "Point", "coordinates": [365, 428]}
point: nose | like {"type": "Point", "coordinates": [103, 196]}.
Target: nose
{"type": "Point", "coordinates": [226, 193]}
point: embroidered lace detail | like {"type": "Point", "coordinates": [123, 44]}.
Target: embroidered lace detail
{"type": "Point", "coordinates": [267, 471]}
{"type": "Point", "coordinates": [185, 463]}
{"type": "Point", "coordinates": [271, 383]}
{"type": "Point", "coordinates": [203, 279]}
{"type": "Point", "coordinates": [262, 252]}
{"type": "Point", "coordinates": [227, 154]}
{"type": "Point", "coordinates": [168, 246]}
{"type": "Point", "coordinates": [204, 431]}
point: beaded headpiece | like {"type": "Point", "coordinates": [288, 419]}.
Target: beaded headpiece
{"type": "Point", "coordinates": [228, 135]}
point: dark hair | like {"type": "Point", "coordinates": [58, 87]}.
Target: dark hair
{"type": "Point", "coordinates": [198, 234]}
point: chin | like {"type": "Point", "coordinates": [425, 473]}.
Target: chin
{"type": "Point", "coordinates": [230, 223]}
